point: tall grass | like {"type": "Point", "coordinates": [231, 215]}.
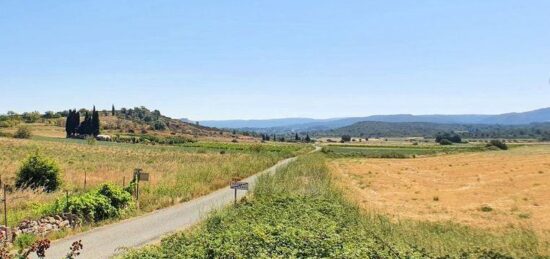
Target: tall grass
{"type": "Point", "coordinates": [177, 173]}
{"type": "Point", "coordinates": [298, 212]}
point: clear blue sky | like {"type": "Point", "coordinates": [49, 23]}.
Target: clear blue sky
{"type": "Point", "coordinates": [267, 59]}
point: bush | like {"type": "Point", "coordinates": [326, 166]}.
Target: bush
{"type": "Point", "coordinates": [107, 201]}
{"type": "Point", "coordinates": [23, 241]}
{"type": "Point", "coordinates": [23, 132]}
{"type": "Point", "coordinates": [119, 197]}
{"type": "Point", "coordinates": [452, 137]}
{"type": "Point", "coordinates": [445, 142]}
{"type": "Point", "coordinates": [38, 172]}
{"type": "Point", "coordinates": [497, 143]}
{"type": "Point", "coordinates": [90, 206]}
{"type": "Point", "coordinates": [346, 138]}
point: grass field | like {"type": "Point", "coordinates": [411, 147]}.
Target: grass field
{"type": "Point", "coordinates": [498, 191]}
{"type": "Point", "coordinates": [397, 151]}
{"type": "Point", "coordinates": [301, 212]}
{"type": "Point", "coordinates": [178, 173]}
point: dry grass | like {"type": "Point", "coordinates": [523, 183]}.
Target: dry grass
{"type": "Point", "coordinates": [491, 190]}
{"type": "Point", "coordinates": [177, 173]}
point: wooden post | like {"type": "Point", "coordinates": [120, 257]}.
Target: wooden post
{"type": "Point", "coordinates": [5, 207]}
{"type": "Point", "coordinates": [235, 196]}
{"type": "Point", "coordinates": [123, 181]}
{"type": "Point", "coordinates": [136, 177]}
{"type": "Point", "coordinates": [85, 176]}
{"type": "Point", "coordinates": [66, 200]}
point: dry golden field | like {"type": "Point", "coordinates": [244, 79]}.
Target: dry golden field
{"type": "Point", "coordinates": [490, 190]}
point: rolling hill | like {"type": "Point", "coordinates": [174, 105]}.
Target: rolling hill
{"type": "Point", "coordinates": [307, 124]}
{"type": "Point", "coordinates": [428, 129]}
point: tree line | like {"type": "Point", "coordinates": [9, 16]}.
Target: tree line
{"type": "Point", "coordinates": [88, 127]}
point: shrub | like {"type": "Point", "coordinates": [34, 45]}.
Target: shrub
{"type": "Point", "coordinates": [90, 206]}
{"type": "Point", "coordinates": [486, 208]}
{"type": "Point", "coordinates": [38, 172]}
{"type": "Point", "coordinates": [23, 241]}
{"type": "Point", "coordinates": [107, 201]}
{"type": "Point", "coordinates": [346, 138]}
{"type": "Point", "coordinates": [445, 142]}
{"type": "Point", "coordinates": [497, 143]}
{"type": "Point", "coordinates": [452, 137]}
{"type": "Point", "coordinates": [23, 132]}
{"type": "Point", "coordinates": [119, 198]}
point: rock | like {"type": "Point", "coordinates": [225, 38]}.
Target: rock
{"type": "Point", "coordinates": [64, 223]}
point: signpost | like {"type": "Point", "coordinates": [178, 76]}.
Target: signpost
{"type": "Point", "coordinates": [238, 186]}
{"type": "Point", "coordinates": [139, 175]}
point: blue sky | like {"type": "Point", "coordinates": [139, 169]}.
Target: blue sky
{"type": "Point", "coordinates": [269, 59]}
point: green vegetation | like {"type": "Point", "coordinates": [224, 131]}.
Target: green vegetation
{"type": "Point", "coordinates": [450, 138]}
{"type": "Point", "coordinates": [374, 129]}
{"type": "Point", "coordinates": [23, 241]}
{"type": "Point", "coordinates": [23, 132]}
{"type": "Point", "coordinates": [151, 139]}
{"type": "Point", "coordinates": [445, 142]}
{"type": "Point", "coordinates": [498, 144]}
{"type": "Point", "coordinates": [298, 213]}
{"type": "Point", "coordinates": [38, 172]}
{"type": "Point", "coordinates": [372, 151]}
{"type": "Point", "coordinates": [107, 201]}
{"type": "Point", "coordinates": [178, 172]}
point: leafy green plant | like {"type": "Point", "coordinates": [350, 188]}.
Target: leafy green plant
{"type": "Point", "coordinates": [38, 172]}
{"type": "Point", "coordinates": [23, 132]}
{"type": "Point", "coordinates": [108, 201]}
{"type": "Point", "coordinates": [118, 197]}
{"type": "Point", "coordinates": [24, 241]}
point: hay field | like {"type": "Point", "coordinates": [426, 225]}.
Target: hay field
{"type": "Point", "coordinates": [497, 190]}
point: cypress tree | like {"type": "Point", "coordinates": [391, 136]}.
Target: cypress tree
{"type": "Point", "coordinates": [308, 139]}
{"type": "Point", "coordinates": [113, 110]}
{"type": "Point", "coordinates": [76, 122]}
{"type": "Point", "coordinates": [85, 128]}
{"type": "Point", "coordinates": [95, 122]}
{"type": "Point", "coordinates": [69, 123]}
{"type": "Point", "coordinates": [297, 138]}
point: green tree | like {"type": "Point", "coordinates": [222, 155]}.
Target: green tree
{"type": "Point", "coordinates": [69, 127]}
{"type": "Point", "coordinates": [95, 123]}
{"type": "Point", "coordinates": [38, 172]}
{"type": "Point", "coordinates": [85, 126]}
{"type": "Point", "coordinates": [113, 110]}
{"type": "Point", "coordinates": [76, 122]}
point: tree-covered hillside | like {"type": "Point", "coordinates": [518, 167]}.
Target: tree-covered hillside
{"type": "Point", "coordinates": [424, 129]}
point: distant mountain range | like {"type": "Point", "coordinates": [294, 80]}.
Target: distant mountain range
{"type": "Point", "coordinates": [538, 130]}
{"type": "Point", "coordinates": [308, 124]}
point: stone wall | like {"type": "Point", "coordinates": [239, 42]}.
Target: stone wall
{"type": "Point", "coordinates": [42, 226]}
